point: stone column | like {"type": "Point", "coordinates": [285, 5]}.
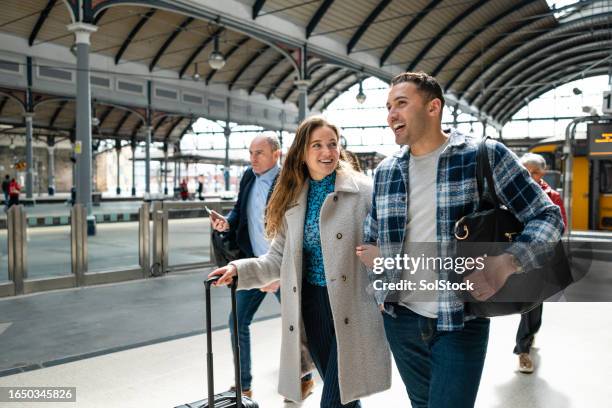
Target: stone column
{"type": "Point", "coordinates": [29, 182]}
{"type": "Point", "coordinates": [82, 33]}
{"type": "Point", "coordinates": [302, 86]}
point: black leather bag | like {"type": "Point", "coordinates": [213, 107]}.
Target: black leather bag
{"type": "Point", "coordinates": [491, 229]}
{"type": "Point", "coordinates": [224, 246]}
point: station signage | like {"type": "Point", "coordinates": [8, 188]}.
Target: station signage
{"type": "Point", "coordinates": [600, 140]}
{"type": "Point", "coordinates": [607, 102]}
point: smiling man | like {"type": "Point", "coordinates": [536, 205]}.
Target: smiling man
{"type": "Point", "coordinates": [438, 347]}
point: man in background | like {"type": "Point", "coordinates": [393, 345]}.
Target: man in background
{"type": "Point", "coordinates": [531, 321]}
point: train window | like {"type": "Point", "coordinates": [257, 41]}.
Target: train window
{"type": "Point", "coordinates": [605, 177]}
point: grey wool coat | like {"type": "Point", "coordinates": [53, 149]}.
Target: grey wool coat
{"type": "Point", "coordinates": [364, 362]}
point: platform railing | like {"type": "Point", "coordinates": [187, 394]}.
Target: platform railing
{"type": "Point", "coordinates": [153, 248]}
{"type": "Point", "coordinates": [16, 251]}
{"type": "Point", "coordinates": [161, 233]}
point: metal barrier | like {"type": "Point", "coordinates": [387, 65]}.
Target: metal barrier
{"type": "Point", "coordinates": [160, 227]}
{"type": "Point", "coordinates": [78, 242]}
{"type": "Point", "coordinates": [17, 251]}
{"type": "Point", "coordinates": [161, 215]}
{"type": "Point", "coordinates": [153, 248]}
{"type": "Point", "coordinates": [144, 245]}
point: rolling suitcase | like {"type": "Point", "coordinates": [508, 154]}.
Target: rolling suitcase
{"type": "Point", "coordinates": [226, 399]}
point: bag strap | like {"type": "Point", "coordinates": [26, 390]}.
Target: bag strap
{"type": "Point", "coordinates": [483, 170]}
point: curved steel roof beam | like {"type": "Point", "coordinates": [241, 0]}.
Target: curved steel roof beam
{"type": "Point", "coordinates": [506, 103]}
{"type": "Point", "coordinates": [315, 84]}
{"type": "Point", "coordinates": [159, 123]}
{"type": "Point", "coordinates": [198, 51]}
{"type": "Point", "coordinates": [280, 80]}
{"type": "Point", "coordinates": [514, 69]}
{"type": "Point", "coordinates": [330, 87]}
{"type": "Point", "coordinates": [265, 72]}
{"type": "Point", "coordinates": [293, 88]}
{"type": "Point", "coordinates": [121, 122]}
{"type": "Point", "coordinates": [318, 15]}
{"type": "Point", "coordinates": [340, 92]}
{"type": "Point", "coordinates": [544, 56]}
{"type": "Point", "coordinates": [476, 33]}
{"type": "Point", "coordinates": [490, 46]}
{"type": "Point", "coordinates": [246, 66]}
{"type": "Point", "coordinates": [444, 31]}
{"type": "Point", "coordinates": [279, 42]}
{"type": "Point", "coordinates": [227, 57]}
{"type": "Point", "coordinates": [133, 33]}
{"type": "Point", "coordinates": [41, 21]}
{"type": "Point", "coordinates": [57, 112]}
{"type": "Point", "coordinates": [99, 16]}
{"type": "Point", "coordinates": [55, 99]}
{"type": "Point", "coordinates": [257, 6]}
{"type": "Point", "coordinates": [15, 99]}
{"type": "Point", "coordinates": [586, 66]}
{"type": "Point", "coordinates": [3, 104]}
{"type": "Point", "coordinates": [366, 24]}
{"type": "Point", "coordinates": [169, 41]}
{"type": "Point", "coordinates": [525, 49]}
{"type": "Point", "coordinates": [537, 92]}
{"type": "Point", "coordinates": [502, 105]}
{"type": "Point", "coordinates": [104, 116]}
{"type": "Point", "coordinates": [288, 94]}
{"type": "Point", "coordinates": [137, 128]}
{"type": "Point", "coordinates": [400, 37]}
{"type": "Point", "coordinates": [191, 120]}
{"type": "Point", "coordinates": [174, 125]}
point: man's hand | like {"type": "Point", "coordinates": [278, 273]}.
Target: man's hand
{"type": "Point", "coordinates": [227, 274]}
{"type": "Point", "coordinates": [218, 222]}
{"type": "Point", "coordinates": [366, 254]}
{"type": "Point", "coordinates": [271, 287]}
{"type": "Point", "coordinates": [490, 279]}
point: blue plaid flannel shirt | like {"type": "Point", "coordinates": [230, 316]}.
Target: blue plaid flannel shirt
{"type": "Point", "coordinates": [457, 196]}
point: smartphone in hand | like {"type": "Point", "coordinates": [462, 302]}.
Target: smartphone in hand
{"type": "Point", "coordinates": [213, 214]}
{"type": "Point", "coordinates": [218, 221]}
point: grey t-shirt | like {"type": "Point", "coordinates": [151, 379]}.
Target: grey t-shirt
{"type": "Point", "coordinates": [421, 228]}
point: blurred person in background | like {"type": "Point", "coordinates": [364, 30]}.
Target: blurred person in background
{"type": "Point", "coordinates": [532, 320]}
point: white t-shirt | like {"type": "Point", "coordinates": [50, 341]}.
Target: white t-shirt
{"type": "Point", "coordinates": [421, 228]}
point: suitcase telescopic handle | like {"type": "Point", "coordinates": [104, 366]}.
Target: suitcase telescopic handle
{"type": "Point", "coordinates": [209, 354]}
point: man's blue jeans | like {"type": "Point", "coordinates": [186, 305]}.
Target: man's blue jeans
{"type": "Point", "coordinates": [247, 303]}
{"type": "Point", "coordinates": [440, 369]}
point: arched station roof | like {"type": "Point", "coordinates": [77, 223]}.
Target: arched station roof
{"type": "Point", "coordinates": [490, 56]}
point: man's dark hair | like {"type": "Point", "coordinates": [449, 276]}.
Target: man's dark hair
{"type": "Point", "coordinates": [426, 84]}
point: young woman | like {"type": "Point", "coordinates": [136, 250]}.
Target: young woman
{"type": "Point", "coordinates": [315, 217]}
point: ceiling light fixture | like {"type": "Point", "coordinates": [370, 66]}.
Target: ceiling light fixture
{"type": "Point", "coordinates": [216, 59]}
{"type": "Point", "coordinates": [196, 73]}
{"type": "Point", "coordinates": [361, 97]}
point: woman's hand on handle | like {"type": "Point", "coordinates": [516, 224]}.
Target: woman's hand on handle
{"type": "Point", "coordinates": [226, 273]}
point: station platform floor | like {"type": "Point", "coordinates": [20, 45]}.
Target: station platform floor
{"type": "Point", "coordinates": [141, 344]}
